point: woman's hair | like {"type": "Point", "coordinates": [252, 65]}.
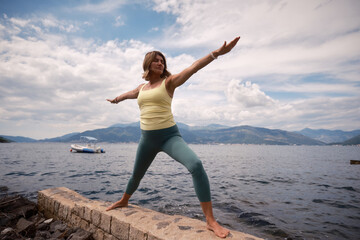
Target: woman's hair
{"type": "Point", "coordinates": [149, 58]}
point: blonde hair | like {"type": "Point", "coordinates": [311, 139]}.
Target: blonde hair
{"type": "Point", "coordinates": [149, 58]}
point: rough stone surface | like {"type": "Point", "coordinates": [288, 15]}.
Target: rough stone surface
{"type": "Point", "coordinates": [25, 227]}
{"type": "Point", "coordinates": [136, 234]}
{"type": "Point", "coordinates": [105, 222]}
{"type": "Point", "coordinates": [95, 217]}
{"type": "Point", "coordinates": [21, 220]}
{"type": "Point", "coordinates": [80, 234]}
{"type": "Point", "coordinates": [132, 222]}
{"type": "Point", "coordinates": [120, 229]}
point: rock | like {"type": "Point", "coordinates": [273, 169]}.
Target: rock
{"type": "Point", "coordinates": [4, 189]}
{"type": "Point", "coordinates": [25, 228]}
{"type": "Point", "coordinates": [26, 211]}
{"type": "Point", "coordinates": [55, 225]}
{"type": "Point", "coordinates": [7, 219]}
{"type": "Point", "coordinates": [9, 204]}
{"type": "Point", "coordinates": [9, 234]}
{"type": "Point", "coordinates": [39, 238]}
{"type": "Point", "coordinates": [20, 219]}
{"type": "Point", "coordinates": [36, 218]}
{"type": "Point", "coordinates": [68, 232]}
{"type": "Point", "coordinates": [6, 231]}
{"type": "Point", "coordinates": [60, 227]}
{"type": "Point", "coordinates": [43, 227]}
{"type": "Point", "coordinates": [15, 207]}
{"type": "Point", "coordinates": [48, 221]}
{"type": "Point", "coordinates": [80, 234]}
{"type": "Point", "coordinates": [57, 234]}
{"type": "Point", "coordinates": [43, 234]}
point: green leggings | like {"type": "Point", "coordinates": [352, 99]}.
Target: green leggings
{"type": "Point", "coordinates": [169, 141]}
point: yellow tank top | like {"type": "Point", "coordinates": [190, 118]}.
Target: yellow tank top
{"type": "Point", "coordinates": [155, 108]}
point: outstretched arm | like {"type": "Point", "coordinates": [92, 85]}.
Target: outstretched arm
{"type": "Point", "coordinates": [128, 95]}
{"type": "Point", "coordinates": [177, 80]}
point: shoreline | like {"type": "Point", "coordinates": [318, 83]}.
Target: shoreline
{"type": "Point", "coordinates": [64, 214]}
{"type": "Point", "coordinates": [20, 219]}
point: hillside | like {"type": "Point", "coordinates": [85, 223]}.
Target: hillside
{"type": "Point", "coordinates": [18, 138]}
{"type": "Point", "coordinates": [60, 139]}
{"type": "Point", "coordinates": [111, 134]}
{"type": "Point", "coordinates": [206, 135]}
{"type": "Point", "coordinates": [329, 136]}
{"type": "Point", "coordinates": [249, 135]}
{"type": "Point", "coordinates": [352, 141]}
{"type": "Point", "coordinates": [212, 134]}
{"type": "Point", "coordinates": [4, 140]}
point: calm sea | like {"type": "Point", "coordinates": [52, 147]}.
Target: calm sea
{"type": "Point", "coordinates": [274, 192]}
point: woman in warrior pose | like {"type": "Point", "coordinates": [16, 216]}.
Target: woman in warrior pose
{"type": "Point", "coordinates": [159, 131]}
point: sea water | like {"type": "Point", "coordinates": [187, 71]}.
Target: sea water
{"type": "Point", "coordinates": [274, 192]}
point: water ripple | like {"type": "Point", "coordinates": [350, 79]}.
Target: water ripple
{"type": "Point", "coordinates": [21, 174]}
{"type": "Point", "coordinates": [274, 192]}
{"type": "Point", "coordinates": [337, 204]}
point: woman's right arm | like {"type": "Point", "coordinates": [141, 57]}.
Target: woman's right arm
{"type": "Point", "coordinates": [133, 94]}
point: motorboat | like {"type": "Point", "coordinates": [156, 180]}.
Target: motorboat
{"type": "Point", "coordinates": [88, 147]}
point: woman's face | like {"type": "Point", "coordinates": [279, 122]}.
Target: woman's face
{"type": "Point", "coordinates": [157, 65]}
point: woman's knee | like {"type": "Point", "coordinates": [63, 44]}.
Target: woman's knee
{"type": "Point", "coordinates": [196, 167]}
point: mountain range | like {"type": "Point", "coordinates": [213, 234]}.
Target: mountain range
{"type": "Point", "coordinates": [329, 136]}
{"type": "Point", "coordinates": [214, 133]}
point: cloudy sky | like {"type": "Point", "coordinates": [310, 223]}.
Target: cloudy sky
{"type": "Point", "coordinates": [296, 65]}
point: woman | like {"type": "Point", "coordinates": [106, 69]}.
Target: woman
{"type": "Point", "coordinates": [159, 131]}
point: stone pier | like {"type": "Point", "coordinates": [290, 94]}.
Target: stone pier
{"type": "Point", "coordinates": [130, 223]}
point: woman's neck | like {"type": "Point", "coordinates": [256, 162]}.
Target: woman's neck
{"type": "Point", "coordinates": [153, 79]}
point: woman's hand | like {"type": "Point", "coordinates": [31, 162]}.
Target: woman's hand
{"type": "Point", "coordinates": [133, 94]}
{"type": "Point", "coordinates": [113, 100]}
{"type": "Point", "coordinates": [225, 48]}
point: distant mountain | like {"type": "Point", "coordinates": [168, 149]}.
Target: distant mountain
{"type": "Point", "coordinates": [205, 135]}
{"type": "Point", "coordinates": [209, 127]}
{"type": "Point", "coordinates": [179, 124]}
{"type": "Point", "coordinates": [352, 141]}
{"type": "Point", "coordinates": [249, 135]}
{"type": "Point", "coordinates": [4, 140]}
{"type": "Point", "coordinates": [134, 124]}
{"type": "Point", "coordinates": [18, 139]}
{"type": "Point", "coordinates": [111, 134]}
{"type": "Point", "coordinates": [213, 133]}
{"type": "Point", "coordinates": [329, 136]}
{"type": "Point", "coordinates": [64, 138]}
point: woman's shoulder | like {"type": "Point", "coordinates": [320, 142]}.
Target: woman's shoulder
{"type": "Point", "coordinates": [138, 88]}
{"type": "Point", "coordinates": [141, 85]}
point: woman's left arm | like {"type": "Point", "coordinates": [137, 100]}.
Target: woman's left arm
{"type": "Point", "coordinates": [177, 80]}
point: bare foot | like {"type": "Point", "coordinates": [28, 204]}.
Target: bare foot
{"type": "Point", "coordinates": [123, 202]}
{"type": "Point", "coordinates": [118, 204]}
{"type": "Point", "coordinates": [218, 230]}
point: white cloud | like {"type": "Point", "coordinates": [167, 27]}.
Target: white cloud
{"type": "Point", "coordinates": [44, 81]}
{"type": "Point", "coordinates": [154, 29]}
{"type": "Point", "coordinates": [102, 7]}
{"type": "Point", "coordinates": [277, 37]}
{"type": "Point", "coordinates": [57, 83]}
{"type": "Point", "coordinates": [38, 25]}
{"type": "Point", "coordinates": [247, 94]}
{"type": "Point", "coordinates": [334, 113]}
{"type": "Point", "coordinates": [261, 23]}
{"type": "Point", "coordinates": [283, 44]}
{"type": "Point", "coordinates": [19, 22]}
{"type": "Point", "coordinates": [119, 21]}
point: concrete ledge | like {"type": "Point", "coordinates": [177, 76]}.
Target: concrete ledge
{"type": "Point", "coordinates": [128, 223]}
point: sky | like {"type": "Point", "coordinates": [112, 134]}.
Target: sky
{"type": "Point", "coordinates": [297, 64]}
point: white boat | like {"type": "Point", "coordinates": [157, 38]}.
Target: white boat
{"type": "Point", "coordinates": [89, 147]}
